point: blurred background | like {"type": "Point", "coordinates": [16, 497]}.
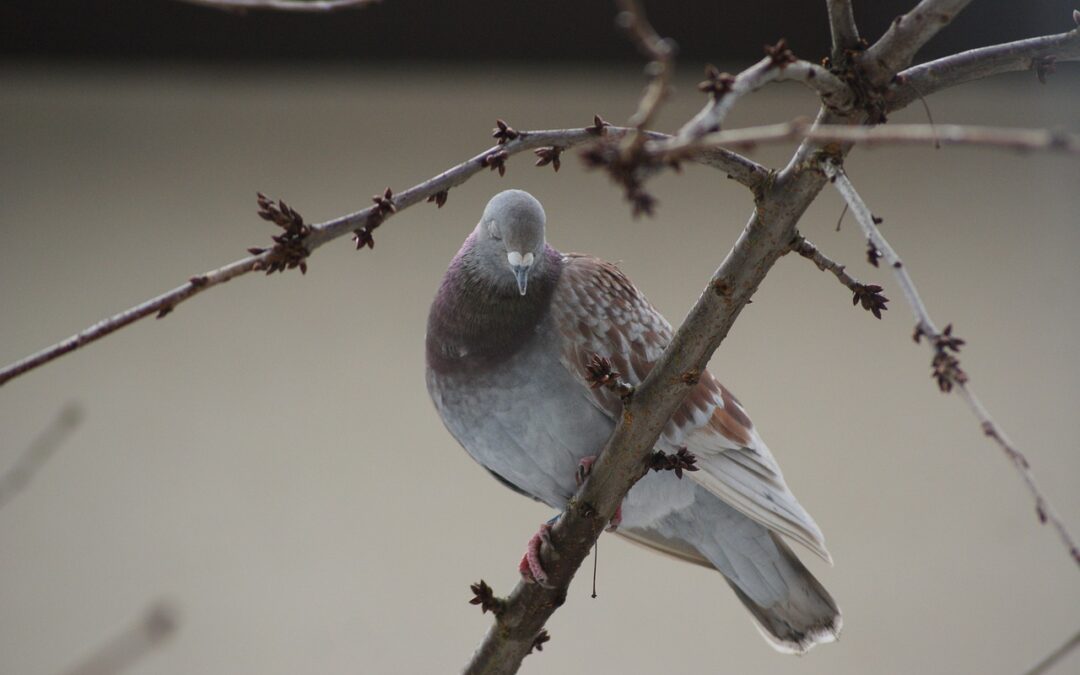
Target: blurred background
{"type": "Point", "coordinates": [265, 460]}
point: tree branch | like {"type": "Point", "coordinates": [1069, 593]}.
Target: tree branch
{"type": "Point", "coordinates": [845, 34]}
{"type": "Point", "coordinates": [780, 65]}
{"type": "Point", "coordinates": [745, 171]}
{"type": "Point", "coordinates": [282, 5]}
{"type": "Point", "coordinates": [946, 366]}
{"type": "Point", "coordinates": [974, 64]}
{"type": "Point", "coordinates": [1020, 140]}
{"type": "Point", "coordinates": [868, 294]}
{"type": "Point", "coordinates": [906, 36]}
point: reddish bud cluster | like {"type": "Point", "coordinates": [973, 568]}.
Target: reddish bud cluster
{"type": "Point", "coordinates": [485, 597]}
{"type": "Point", "coordinates": [716, 83]}
{"type": "Point", "coordinates": [945, 367]}
{"type": "Point", "coordinates": [682, 460]}
{"type": "Point", "coordinates": [288, 251]}
{"type": "Point", "coordinates": [384, 206]}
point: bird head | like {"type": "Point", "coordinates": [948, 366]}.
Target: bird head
{"type": "Point", "coordinates": [511, 234]}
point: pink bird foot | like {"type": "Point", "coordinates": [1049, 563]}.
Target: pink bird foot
{"type": "Point", "coordinates": [584, 469]}
{"type": "Point", "coordinates": [531, 568]}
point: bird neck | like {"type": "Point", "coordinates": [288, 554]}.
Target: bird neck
{"type": "Point", "coordinates": [475, 322]}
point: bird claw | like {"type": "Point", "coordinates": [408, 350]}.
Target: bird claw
{"type": "Point", "coordinates": [531, 567]}
{"type": "Point", "coordinates": [584, 469]}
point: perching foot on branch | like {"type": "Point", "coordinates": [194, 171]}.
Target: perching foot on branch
{"type": "Point", "coordinates": [531, 566]}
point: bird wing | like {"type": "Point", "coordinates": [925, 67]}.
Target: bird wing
{"type": "Point", "coordinates": [598, 311]}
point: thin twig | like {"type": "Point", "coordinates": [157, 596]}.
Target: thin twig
{"type": "Point", "coordinates": [957, 379]}
{"type": "Point", "coordinates": [906, 36]}
{"type": "Point", "coordinates": [929, 115]}
{"type": "Point", "coordinates": [1053, 657]}
{"type": "Point", "coordinates": [1021, 140]}
{"type": "Point", "coordinates": [869, 295]}
{"type": "Point", "coordinates": [38, 453]}
{"type": "Point", "coordinates": [840, 220]}
{"type": "Point", "coordinates": [124, 650]}
{"type": "Point", "coordinates": [743, 170]}
{"type": "Point", "coordinates": [834, 93]}
{"type": "Point", "coordinates": [845, 34]}
{"type": "Point", "coordinates": [283, 5]}
{"type": "Point", "coordinates": [974, 64]}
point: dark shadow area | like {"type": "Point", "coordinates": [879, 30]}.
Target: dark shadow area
{"type": "Point", "coordinates": [555, 30]}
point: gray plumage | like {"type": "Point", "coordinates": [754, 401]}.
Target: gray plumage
{"type": "Point", "coordinates": [509, 333]}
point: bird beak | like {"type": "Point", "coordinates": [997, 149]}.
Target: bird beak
{"type": "Point", "coordinates": [520, 265]}
{"type": "Point", "coordinates": [521, 272]}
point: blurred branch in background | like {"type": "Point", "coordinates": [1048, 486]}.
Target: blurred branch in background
{"type": "Point", "coordinates": [1053, 657]}
{"type": "Point", "coordinates": [144, 636]}
{"type": "Point", "coordinates": [241, 6]}
{"type": "Point", "coordinates": [929, 135]}
{"type": "Point", "coordinates": [38, 453]}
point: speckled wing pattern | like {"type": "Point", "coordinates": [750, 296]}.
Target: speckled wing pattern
{"type": "Point", "coordinates": [598, 311]}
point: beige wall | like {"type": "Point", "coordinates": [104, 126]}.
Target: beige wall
{"type": "Point", "coordinates": [267, 459]}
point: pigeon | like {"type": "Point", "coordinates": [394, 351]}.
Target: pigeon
{"type": "Point", "coordinates": [511, 332]}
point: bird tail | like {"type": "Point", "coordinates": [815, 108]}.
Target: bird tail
{"type": "Point", "coordinates": [791, 608]}
{"type": "Point", "coordinates": [806, 617]}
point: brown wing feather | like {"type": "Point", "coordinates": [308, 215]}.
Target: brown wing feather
{"type": "Point", "coordinates": [598, 311]}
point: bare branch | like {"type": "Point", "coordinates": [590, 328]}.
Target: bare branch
{"type": "Point", "coordinates": [974, 64]}
{"type": "Point", "coordinates": [282, 5]}
{"type": "Point", "coordinates": [1053, 657]}
{"type": "Point", "coordinates": [947, 369]}
{"type": "Point", "coordinates": [780, 65]}
{"type": "Point", "coordinates": [745, 171]}
{"type": "Point", "coordinates": [1020, 140]}
{"type": "Point", "coordinates": [869, 295]}
{"type": "Point", "coordinates": [124, 650]}
{"type": "Point", "coordinates": [845, 34]}
{"type": "Point", "coordinates": [38, 453]}
{"type": "Point", "coordinates": [907, 35]}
